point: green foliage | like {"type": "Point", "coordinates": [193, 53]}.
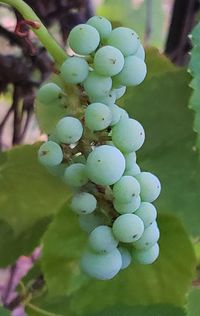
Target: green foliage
{"type": "Point", "coordinates": [123, 12]}
{"type": "Point", "coordinates": [166, 281]}
{"type": "Point", "coordinates": [29, 197]}
{"type": "Point", "coordinates": [193, 304]}
{"type": "Point", "coordinates": [194, 69]}
{"type": "Point", "coordinates": [58, 305]}
{"type": "Point", "coordinates": [4, 312]}
{"type": "Point", "coordinates": [63, 244]}
{"type": "Point", "coordinates": [150, 310]}
{"type": "Point", "coordinates": [160, 104]}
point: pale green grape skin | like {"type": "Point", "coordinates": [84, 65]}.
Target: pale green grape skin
{"type": "Point", "coordinates": [124, 114]}
{"type": "Point", "coordinates": [83, 203]}
{"type": "Point", "coordinates": [83, 39]}
{"type": "Point", "coordinates": [102, 239]}
{"type": "Point", "coordinates": [134, 171]}
{"type": "Point", "coordinates": [146, 256]}
{"type": "Point", "coordinates": [149, 237]}
{"type": "Point", "coordinates": [102, 25]}
{"type": "Point", "coordinates": [125, 39]}
{"type": "Point", "coordinates": [125, 189]}
{"type": "Point", "coordinates": [50, 154]}
{"type": "Point", "coordinates": [76, 175]}
{"type": "Point", "coordinates": [108, 100]}
{"type": "Point", "coordinates": [48, 93]}
{"type": "Point", "coordinates": [130, 159]}
{"type": "Point", "coordinates": [88, 222]}
{"type": "Point", "coordinates": [140, 53]}
{"type": "Point", "coordinates": [74, 70]}
{"type": "Point", "coordinates": [128, 135]}
{"type": "Point", "coordinates": [128, 228]}
{"type": "Point", "coordinates": [99, 167]}
{"type": "Point", "coordinates": [126, 257]}
{"type": "Point", "coordinates": [69, 130]}
{"type": "Point", "coordinates": [97, 116]}
{"type": "Point", "coordinates": [150, 186]}
{"type": "Point", "coordinates": [120, 92]}
{"type": "Point", "coordinates": [133, 72]}
{"type": "Point", "coordinates": [108, 61]}
{"type": "Point", "coordinates": [147, 212]}
{"type": "Point", "coordinates": [116, 113]}
{"type": "Point", "coordinates": [125, 208]}
{"type": "Point", "coordinates": [101, 266]}
{"type": "Point", "coordinates": [97, 86]}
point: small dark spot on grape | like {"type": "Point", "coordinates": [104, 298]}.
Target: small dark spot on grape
{"type": "Point", "coordinates": [146, 243]}
{"type": "Point", "coordinates": [103, 119]}
{"type": "Point", "coordinates": [133, 194]}
{"type": "Point", "coordinates": [44, 152]}
{"type": "Point", "coordinates": [141, 133]}
{"type": "Point", "coordinates": [99, 160]}
{"type": "Point", "coordinates": [134, 236]}
{"type": "Point", "coordinates": [83, 211]}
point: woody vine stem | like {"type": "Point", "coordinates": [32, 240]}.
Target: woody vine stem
{"type": "Point", "coordinates": [42, 33]}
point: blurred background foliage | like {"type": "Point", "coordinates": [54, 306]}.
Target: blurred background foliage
{"type": "Point", "coordinates": [33, 204]}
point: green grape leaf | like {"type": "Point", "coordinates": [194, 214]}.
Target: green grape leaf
{"type": "Point", "coordinates": [160, 104]}
{"type": "Point", "coordinates": [166, 281]}
{"type": "Point", "coordinates": [193, 304]}
{"type": "Point", "coordinates": [149, 310]}
{"type": "Point", "coordinates": [194, 69]}
{"type": "Point", "coordinates": [63, 243]}
{"type": "Point", "coordinates": [58, 306]}
{"type": "Point", "coordinates": [4, 312]}
{"type": "Point", "coordinates": [130, 15]}
{"type": "Point", "coordinates": [29, 197]}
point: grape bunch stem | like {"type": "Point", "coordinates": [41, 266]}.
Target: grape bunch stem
{"type": "Point", "coordinates": [54, 49]}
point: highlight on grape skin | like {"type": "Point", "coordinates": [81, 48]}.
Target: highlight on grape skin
{"type": "Point", "coordinates": [93, 148]}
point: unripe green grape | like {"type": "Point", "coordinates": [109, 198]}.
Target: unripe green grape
{"type": "Point", "coordinates": [97, 116]}
{"type": "Point", "coordinates": [147, 212]}
{"type": "Point", "coordinates": [74, 70]}
{"type": "Point", "coordinates": [101, 266]}
{"type": "Point", "coordinates": [102, 239]}
{"type": "Point", "coordinates": [108, 100]}
{"type": "Point", "coordinates": [105, 165]}
{"type": "Point", "coordinates": [133, 72]}
{"type": "Point", "coordinates": [88, 222]}
{"type": "Point", "coordinates": [102, 25]}
{"type": "Point", "coordinates": [150, 186]}
{"type": "Point", "coordinates": [125, 189]}
{"type": "Point", "coordinates": [76, 175]}
{"type": "Point", "coordinates": [130, 159]}
{"type": "Point", "coordinates": [124, 114]}
{"type": "Point", "coordinates": [149, 237]}
{"type": "Point", "coordinates": [125, 39]}
{"type": "Point", "coordinates": [128, 228]}
{"type": "Point", "coordinates": [140, 53]}
{"type": "Point", "coordinates": [120, 92]}
{"type": "Point", "coordinates": [134, 171]}
{"type": "Point", "coordinates": [50, 154]}
{"type": "Point", "coordinates": [48, 93]}
{"type": "Point", "coordinates": [116, 113]}
{"type": "Point", "coordinates": [83, 203]}
{"type": "Point", "coordinates": [83, 39]}
{"type": "Point", "coordinates": [146, 256]}
{"type": "Point", "coordinates": [124, 208]}
{"type": "Point", "coordinates": [108, 61]}
{"type": "Point", "coordinates": [128, 135]}
{"type": "Point", "coordinates": [97, 86]}
{"type": "Point", "coordinates": [126, 257]}
{"type": "Point", "coordinates": [69, 130]}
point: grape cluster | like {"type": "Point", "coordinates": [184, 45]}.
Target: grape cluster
{"type": "Point", "coordinates": [93, 148]}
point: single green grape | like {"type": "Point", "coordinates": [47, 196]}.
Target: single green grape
{"type": "Point", "coordinates": [102, 25]}
{"type": "Point", "coordinates": [149, 237]}
{"type": "Point", "coordinates": [83, 39]}
{"type": "Point", "coordinates": [146, 256]}
{"type": "Point", "coordinates": [130, 207]}
{"type": "Point", "coordinates": [150, 186]}
{"type": "Point", "coordinates": [108, 61]}
{"type": "Point", "coordinates": [83, 203]}
{"type": "Point", "coordinates": [102, 239]}
{"type": "Point", "coordinates": [50, 154]}
{"type": "Point", "coordinates": [76, 175]}
{"type": "Point", "coordinates": [125, 189]}
{"type": "Point", "coordinates": [147, 212]}
{"type": "Point", "coordinates": [48, 93]}
{"type": "Point", "coordinates": [97, 116]}
{"type": "Point", "coordinates": [69, 130]}
{"type": "Point", "coordinates": [97, 86]}
{"type": "Point", "coordinates": [74, 70]}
